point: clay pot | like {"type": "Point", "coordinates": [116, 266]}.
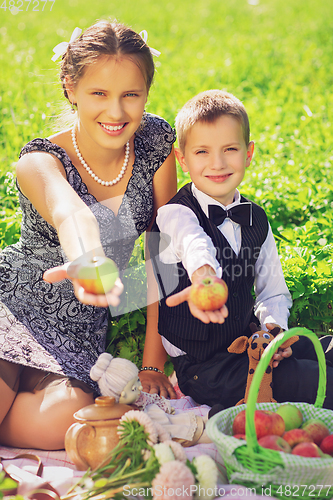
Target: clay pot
{"type": "Point", "coordinates": [94, 435]}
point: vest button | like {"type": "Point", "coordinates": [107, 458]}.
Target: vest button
{"type": "Point", "coordinates": [236, 317]}
{"type": "Point", "coordinates": [195, 377]}
{"type": "Point", "coordinates": [235, 294]}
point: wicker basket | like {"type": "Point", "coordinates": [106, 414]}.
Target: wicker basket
{"type": "Point", "coordinates": [270, 472]}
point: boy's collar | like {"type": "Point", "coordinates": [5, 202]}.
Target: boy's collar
{"type": "Point", "coordinates": [205, 200]}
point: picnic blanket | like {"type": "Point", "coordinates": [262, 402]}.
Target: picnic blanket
{"type": "Point", "coordinates": [61, 473]}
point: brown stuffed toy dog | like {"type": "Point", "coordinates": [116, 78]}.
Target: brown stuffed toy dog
{"type": "Point", "coordinates": [255, 346]}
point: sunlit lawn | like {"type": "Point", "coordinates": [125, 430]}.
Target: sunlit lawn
{"type": "Point", "coordinates": [276, 56]}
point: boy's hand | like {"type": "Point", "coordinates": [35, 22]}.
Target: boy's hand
{"type": "Point", "coordinates": [157, 383]}
{"type": "Point", "coordinates": [205, 316]}
{"type": "Point", "coordinates": [281, 353]}
{"type": "Point", "coordinates": [217, 316]}
{"type": "Point", "coordinates": [59, 273]}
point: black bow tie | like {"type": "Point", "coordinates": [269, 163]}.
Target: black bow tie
{"type": "Point", "coordinates": [242, 214]}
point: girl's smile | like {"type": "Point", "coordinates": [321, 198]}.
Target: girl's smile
{"type": "Point", "coordinates": [113, 129]}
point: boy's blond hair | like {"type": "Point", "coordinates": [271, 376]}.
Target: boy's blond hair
{"type": "Point", "coordinates": [208, 106]}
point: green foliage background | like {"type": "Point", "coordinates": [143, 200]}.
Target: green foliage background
{"type": "Point", "coordinates": [276, 56]}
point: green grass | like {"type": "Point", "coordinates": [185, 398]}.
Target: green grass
{"type": "Point", "coordinates": [276, 56]}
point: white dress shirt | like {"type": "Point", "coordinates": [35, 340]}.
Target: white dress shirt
{"type": "Point", "coordinates": [194, 248]}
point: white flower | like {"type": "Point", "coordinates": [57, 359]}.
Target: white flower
{"type": "Point", "coordinates": [89, 483]}
{"type": "Point", "coordinates": [163, 453]}
{"type": "Point", "coordinates": [206, 476]}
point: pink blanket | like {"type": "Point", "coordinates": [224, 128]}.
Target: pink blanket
{"type": "Point", "coordinates": [61, 473]}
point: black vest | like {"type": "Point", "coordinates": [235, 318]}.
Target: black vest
{"type": "Point", "coordinates": [177, 323]}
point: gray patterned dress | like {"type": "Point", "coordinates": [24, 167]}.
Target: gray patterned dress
{"type": "Point", "coordinates": [43, 325]}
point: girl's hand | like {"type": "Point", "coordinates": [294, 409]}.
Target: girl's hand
{"type": "Point", "coordinates": [217, 316]}
{"type": "Point", "coordinates": [157, 383]}
{"type": "Point", "coordinates": [281, 353]}
{"type": "Point", "coordinates": [111, 298]}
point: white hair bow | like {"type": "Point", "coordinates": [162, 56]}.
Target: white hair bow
{"type": "Point", "coordinates": [61, 48]}
{"type": "Point", "coordinates": [144, 36]}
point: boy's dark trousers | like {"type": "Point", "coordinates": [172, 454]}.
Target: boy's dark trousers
{"type": "Point", "coordinates": [222, 378]}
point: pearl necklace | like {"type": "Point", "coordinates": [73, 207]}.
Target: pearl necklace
{"type": "Point", "coordinates": [91, 173]}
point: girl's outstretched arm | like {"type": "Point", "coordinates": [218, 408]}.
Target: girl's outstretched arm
{"type": "Point", "coordinates": [41, 177]}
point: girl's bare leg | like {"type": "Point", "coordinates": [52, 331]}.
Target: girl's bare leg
{"type": "Point", "coordinates": [9, 381]}
{"type": "Point", "coordinates": [40, 419]}
{"type": "Point", "coordinates": [7, 396]}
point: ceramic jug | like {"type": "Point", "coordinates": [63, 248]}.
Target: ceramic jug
{"type": "Point", "coordinates": [94, 435]}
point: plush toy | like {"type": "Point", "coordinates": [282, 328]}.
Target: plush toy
{"type": "Point", "coordinates": [255, 346]}
{"type": "Point", "coordinates": [119, 378]}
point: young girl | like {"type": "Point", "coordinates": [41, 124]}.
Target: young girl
{"type": "Point", "coordinates": [90, 189]}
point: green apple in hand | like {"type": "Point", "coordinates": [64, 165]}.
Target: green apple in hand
{"type": "Point", "coordinates": [209, 294]}
{"type": "Point", "coordinates": [96, 275]}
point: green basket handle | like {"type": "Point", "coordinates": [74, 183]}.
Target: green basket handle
{"type": "Point", "coordinates": [251, 437]}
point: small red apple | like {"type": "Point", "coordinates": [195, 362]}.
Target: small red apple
{"type": "Point", "coordinates": [95, 274]}
{"type": "Point", "coordinates": [296, 436]}
{"type": "Point", "coordinates": [240, 436]}
{"type": "Point", "coordinates": [316, 429]}
{"type": "Point", "coordinates": [209, 294]}
{"type": "Point", "coordinates": [274, 442]}
{"type": "Point", "coordinates": [278, 425]}
{"type": "Point", "coordinates": [265, 422]}
{"type": "Point", "coordinates": [307, 450]}
{"type": "Point", "coordinates": [326, 445]}
{"type": "Point", "coordinates": [291, 415]}
{"type": "Point", "coordinates": [238, 425]}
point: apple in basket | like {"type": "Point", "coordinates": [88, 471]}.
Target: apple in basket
{"type": "Point", "coordinates": [95, 274]}
{"type": "Point", "coordinates": [291, 415]}
{"type": "Point", "coordinates": [296, 436]}
{"type": "Point", "coordinates": [278, 425]}
{"type": "Point", "coordinates": [274, 442]}
{"type": "Point", "coordinates": [240, 436]}
{"type": "Point", "coordinates": [316, 429]}
{"type": "Point", "coordinates": [308, 450]}
{"type": "Point", "coordinates": [326, 445]}
{"type": "Point", "coordinates": [265, 422]}
{"type": "Point", "coordinates": [238, 424]}
{"type": "Point", "coordinates": [209, 294]}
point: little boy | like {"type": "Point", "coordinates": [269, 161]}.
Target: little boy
{"type": "Point", "coordinates": [208, 228]}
